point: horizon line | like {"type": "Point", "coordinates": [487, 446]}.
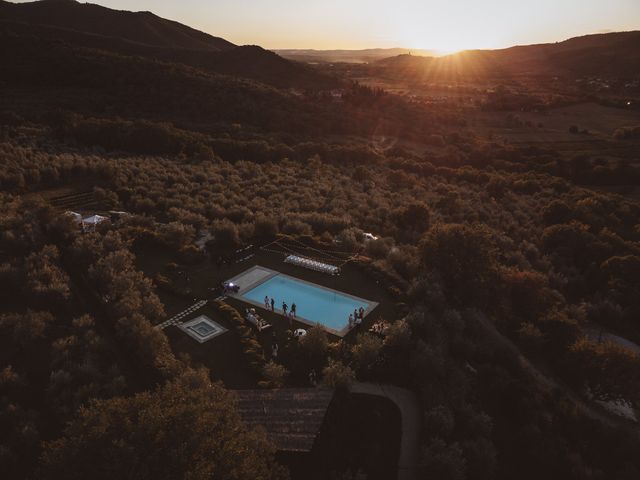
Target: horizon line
{"type": "Point", "coordinates": [426, 49]}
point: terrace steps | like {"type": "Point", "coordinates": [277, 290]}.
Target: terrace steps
{"type": "Point", "coordinates": [179, 318]}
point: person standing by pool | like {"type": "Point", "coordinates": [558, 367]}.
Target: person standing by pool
{"type": "Point", "coordinates": [284, 308]}
{"type": "Point", "coordinates": [361, 312]}
{"type": "Point", "coordinates": [350, 320]}
{"type": "Point", "coordinates": [273, 303]}
{"type": "Point", "coordinates": [293, 310]}
{"type": "Point", "coordinates": [266, 302]}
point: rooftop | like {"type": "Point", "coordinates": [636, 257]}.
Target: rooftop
{"type": "Point", "coordinates": [292, 417]}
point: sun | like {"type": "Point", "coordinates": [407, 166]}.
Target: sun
{"type": "Point", "coordinates": [442, 46]}
{"type": "Point", "coordinates": [442, 41]}
{"type": "Point", "coordinates": [449, 46]}
{"type": "Point", "coordinates": [442, 52]}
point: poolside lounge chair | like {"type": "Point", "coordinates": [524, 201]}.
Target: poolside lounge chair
{"type": "Point", "coordinates": [255, 320]}
{"type": "Point", "coordinates": [312, 264]}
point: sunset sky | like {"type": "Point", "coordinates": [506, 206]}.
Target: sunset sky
{"type": "Point", "coordinates": [446, 25]}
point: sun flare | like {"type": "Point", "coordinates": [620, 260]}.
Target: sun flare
{"type": "Point", "coordinates": [442, 52]}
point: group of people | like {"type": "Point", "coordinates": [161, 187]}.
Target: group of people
{"type": "Point", "coordinates": [270, 303]}
{"type": "Point", "coordinates": [355, 318]}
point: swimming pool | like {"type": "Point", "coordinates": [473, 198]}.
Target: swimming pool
{"type": "Point", "coordinates": [315, 304]}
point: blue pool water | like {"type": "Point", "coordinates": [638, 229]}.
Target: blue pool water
{"type": "Point", "coordinates": [313, 303]}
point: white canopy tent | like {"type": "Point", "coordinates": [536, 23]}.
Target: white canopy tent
{"type": "Point", "coordinates": [90, 223]}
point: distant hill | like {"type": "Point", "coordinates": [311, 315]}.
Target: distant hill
{"type": "Point", "coordinates": [40, 77]}
{"type": "Point", "coordinates": [147, 35]}
{"type": "Point", "coordinates": [609, 54]}
{"type": "Point", "coordinates": [96, 90]}
{"type": "Point", "coordinates": [140, 27]}
{"type": "Point", "coordinates": [348, 56]}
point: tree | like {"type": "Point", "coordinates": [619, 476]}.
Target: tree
{"type": "Point", "coordinates": [315, 347]}
{"type": "Point", "coordinates": [442, 461]}
{"type": "Point", "coordinates": [556, 212]}
{"type": "Point", "coordinates": [361, 174]}
{"type": "Point", "coordinates": [611, 371]}
{"type": "Point", "coordinates": [559, 329]}
{"type": "Point", "coordinates": [572, 241]}
{"type": "Point", "coordinates": [415, 216]}
{"type": "Point", "coordinates": [439, 422]}
{"type": "Point", "coordinates": [265, 227]}
{"type": "Point", "coordinates": [25, 328]}
{"type": "Point", "coordinates": [398, 335]}
{"type": "Point", "coordinates": [465, 258]}
{"type": "Point", "coordinates": [187, 428]}
{"type": "Point", "coordinates": [226, 236]}
{"type": "Point", "coordinates": [45, 277]}
{"type": "Point", "coordinates": [526, 294]}
{"type": "Point", "coordinates": [480, 454]}
{"type": "Point", "coordinates": [623, 274]}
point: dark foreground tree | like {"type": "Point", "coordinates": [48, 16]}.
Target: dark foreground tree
{"type": "Point", "coordinates": [186, 429]}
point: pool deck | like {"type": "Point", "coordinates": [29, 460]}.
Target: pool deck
{"type": "Point", "coordinates": [256, 275]}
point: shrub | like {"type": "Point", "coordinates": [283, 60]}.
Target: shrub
{"type": "Point", "coordinates": [338, 375]}
{"type": "Point", "coordinates": [274, 375]}
{"type": "Point", "coordinates": [366, 352]}
{"type": "Point", "coordinates": [252, 348]}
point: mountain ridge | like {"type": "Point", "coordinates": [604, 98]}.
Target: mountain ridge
{"type": "Point", "coordinates": [140, 27]}
{"type": "Point", "coordinates": [365, 55]}
{"type": "Point", "coordinates": [113, 30]}
{"type": "Point", "coordinates": [605, 54]}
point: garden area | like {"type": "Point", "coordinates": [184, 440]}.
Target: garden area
{"type": "Point", "coordinates": [238, 356]}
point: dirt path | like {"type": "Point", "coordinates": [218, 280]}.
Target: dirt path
{"type": "Point", "coordinates": [411, 419]}
{"type": "Point", "coordinates": [602, 335]}
{"type": "Point", "coordinates": [584, 406]}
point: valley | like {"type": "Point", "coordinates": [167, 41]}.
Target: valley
{"type": "Point", "coordinates": [479, 213]}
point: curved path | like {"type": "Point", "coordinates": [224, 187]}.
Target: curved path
{"type": "Point", "coordinates": [551, 382]}
{"type": "Point", "coordinates": [411, 420]}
